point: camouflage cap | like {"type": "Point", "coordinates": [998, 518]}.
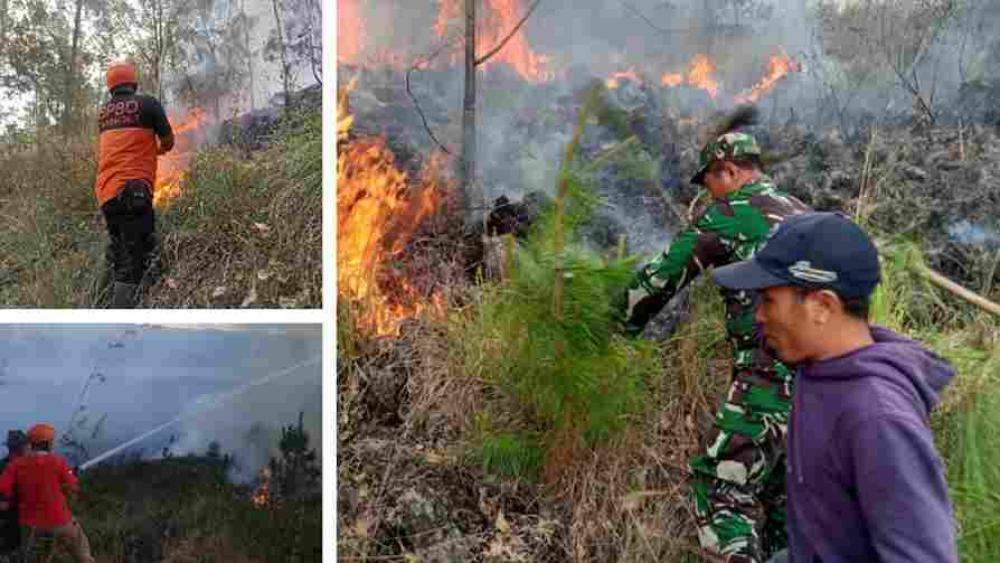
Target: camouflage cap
{"type": "Point", "coordinates": [16, 439]}
{"type": "Point", "coordinates": [731, 146]}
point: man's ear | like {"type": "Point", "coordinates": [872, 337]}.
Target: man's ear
{"type": "Point", "coordinates": [731, 169]}
{"type": "Point", "coordinates": [827, 304]}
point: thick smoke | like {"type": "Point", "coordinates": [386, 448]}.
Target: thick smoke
{"type": "Point", "coordinates": [231, 54]}
{"type": "Point", "coordinates": [109, 384]}
{"type": "Point", "coordinates": [845, 83]}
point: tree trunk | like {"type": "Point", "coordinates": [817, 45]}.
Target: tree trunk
{"type": "Point", "coordinates": [70, 83]}
{"type": "Point", "coordinates": [282, 50]}
{"type": "Point", "coordinates": [160, 49]}
{"type": "Point", "coordinates": [3, 22]}
{"type": "Point", "coordinates": [246, 45]}
{"type": "Point", "coordinates": [471, 197]}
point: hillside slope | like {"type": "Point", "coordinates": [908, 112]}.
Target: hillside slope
{"type": "Point", "coordinates": [246, 230]}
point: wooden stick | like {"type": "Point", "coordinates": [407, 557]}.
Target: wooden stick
{"type": "Point", "coordinates": [946, 284]}
{"type": "Point", "coordinates": [507, 262]}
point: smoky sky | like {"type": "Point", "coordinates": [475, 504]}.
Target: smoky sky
{"type": "Point", "coordinates": [149, 375]}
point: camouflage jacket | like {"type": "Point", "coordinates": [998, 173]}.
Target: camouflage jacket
{"type": "Point", "coordinates": [10, 531]}
{"type": "Point", "coordinates": [729, 230]}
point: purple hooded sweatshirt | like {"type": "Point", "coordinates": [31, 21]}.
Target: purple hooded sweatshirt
{"type": "Point", "coordinates": [865, 482]}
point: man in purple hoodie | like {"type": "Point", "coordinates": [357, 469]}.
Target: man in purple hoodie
{"type": "Point", "coordinates": [865, 482]}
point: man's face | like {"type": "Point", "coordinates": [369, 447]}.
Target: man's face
{"type": "Point", "coordinates": [789, 323]}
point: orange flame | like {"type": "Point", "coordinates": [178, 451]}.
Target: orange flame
{"type": "Point", "coordinates": [171, 168]}
{"type": "Point", "coordinates": [778, 67]}
{"type": "Point", "coordinates": [615, 79]}
{"type": "Point", "coordinates": [350, 32]}
{"type": "Point", "coordinates": [500, 18]}
{"type": "Point", "coordinates": [700, 74]}
{"type": "Point", "coordinates": [448, 13]}
{"type": "Point", "coordinates": [262, 494]}
{"type": "Point", "coordinates": [672, 79]}
{"type": "Point", "coordinates": [377, 215]}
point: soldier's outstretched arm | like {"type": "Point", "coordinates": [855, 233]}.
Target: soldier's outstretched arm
{"type": "Point", "coordinates": [695, 249]}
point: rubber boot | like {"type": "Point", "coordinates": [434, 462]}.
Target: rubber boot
{"type": "Point", "coordinates": [125, 296]}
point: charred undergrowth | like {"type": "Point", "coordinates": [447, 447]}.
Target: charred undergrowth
{"type": "Point", "coordinates": [184, 509]}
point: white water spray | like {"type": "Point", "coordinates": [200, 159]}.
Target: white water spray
{"type": "Point", "coordinates": [201, 407]}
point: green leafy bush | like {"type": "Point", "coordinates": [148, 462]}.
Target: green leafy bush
{"type": "Point", "coordinates": [546, 336]}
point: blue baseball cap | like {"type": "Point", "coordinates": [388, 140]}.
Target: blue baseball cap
{"type": "Point", "coordinates": [810, 250]}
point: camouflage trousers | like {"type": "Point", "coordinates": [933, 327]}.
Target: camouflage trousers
{"type": "Point", "coordinates": [738, 484]}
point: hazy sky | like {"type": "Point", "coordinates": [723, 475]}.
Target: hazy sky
{"type": "Point", "coordinates": [152, 374]}
{"type": "Point", "coordinates": [267, 74]}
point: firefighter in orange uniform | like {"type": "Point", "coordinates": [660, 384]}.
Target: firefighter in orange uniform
{"type": "Point", "coordinates": [134, 130]}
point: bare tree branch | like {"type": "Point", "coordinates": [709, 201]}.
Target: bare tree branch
{"type": "Point", "coordinates": [416, 104]}
{"type": "Point", "coordinates": [650, 23]}
{"type": "Point", "coordinates": [513, 32]}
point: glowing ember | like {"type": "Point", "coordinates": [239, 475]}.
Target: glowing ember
{"type": "Point", "coordinates": [350, 31]}
{"type": "Point", "coordinates": [171, 168]}
{"type": "Point", "coordinates": [778, 67]}
{"type": "Point", "coordinates": [672, 79]}
{"type": "Point", "coordinates": [615, 79]}
{"type": "Point", "coordinates": [377, 215]}
{"type": "Point", "coordinates": [262, 494]}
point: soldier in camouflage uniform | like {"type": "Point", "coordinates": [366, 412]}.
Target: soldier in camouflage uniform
{"type": "Point", "coordinates": [738, 484]}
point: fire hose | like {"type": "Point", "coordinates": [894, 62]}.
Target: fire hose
{"type": "Point", "coordinates": [215, 402]}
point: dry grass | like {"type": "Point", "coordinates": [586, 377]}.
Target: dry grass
{"type": "Point", "coordinates": [185, 509]}
{"type": "Point", "coordinates": [623, 500]}
{"type": "Point", "coordinates": [246, 232]}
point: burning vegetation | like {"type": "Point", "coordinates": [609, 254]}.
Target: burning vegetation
{"type": "Point", "coordinates": [379, 210]}
{"type": "Point", "coordinates": [237, 226]}
{"type": "Point", "coordinates": [185, 507]}
{"type": "Point", "coordinates": [172, 167]}
{"type": "Point", "coordinates": [454, 406]}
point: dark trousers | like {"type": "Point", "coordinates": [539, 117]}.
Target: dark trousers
{"type": "Point", "coordinates": [10, 534]}
{"type": "Point", "coordinates": [132, 228]}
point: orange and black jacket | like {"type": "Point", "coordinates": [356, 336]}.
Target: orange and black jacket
{"type": "Point", "coordinates": [129, 125]}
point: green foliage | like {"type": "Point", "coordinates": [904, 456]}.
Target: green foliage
{"type": "Point", "coordinates": [296, 473]}
{"type": "Point", "coordinates": [571, 370]}
{"type": "Point", "coordinates": [546, 338]}
{"type": "Point", "coordinates": [52, 243]}
{"type": "Point", "coordinates": [509, 455]}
